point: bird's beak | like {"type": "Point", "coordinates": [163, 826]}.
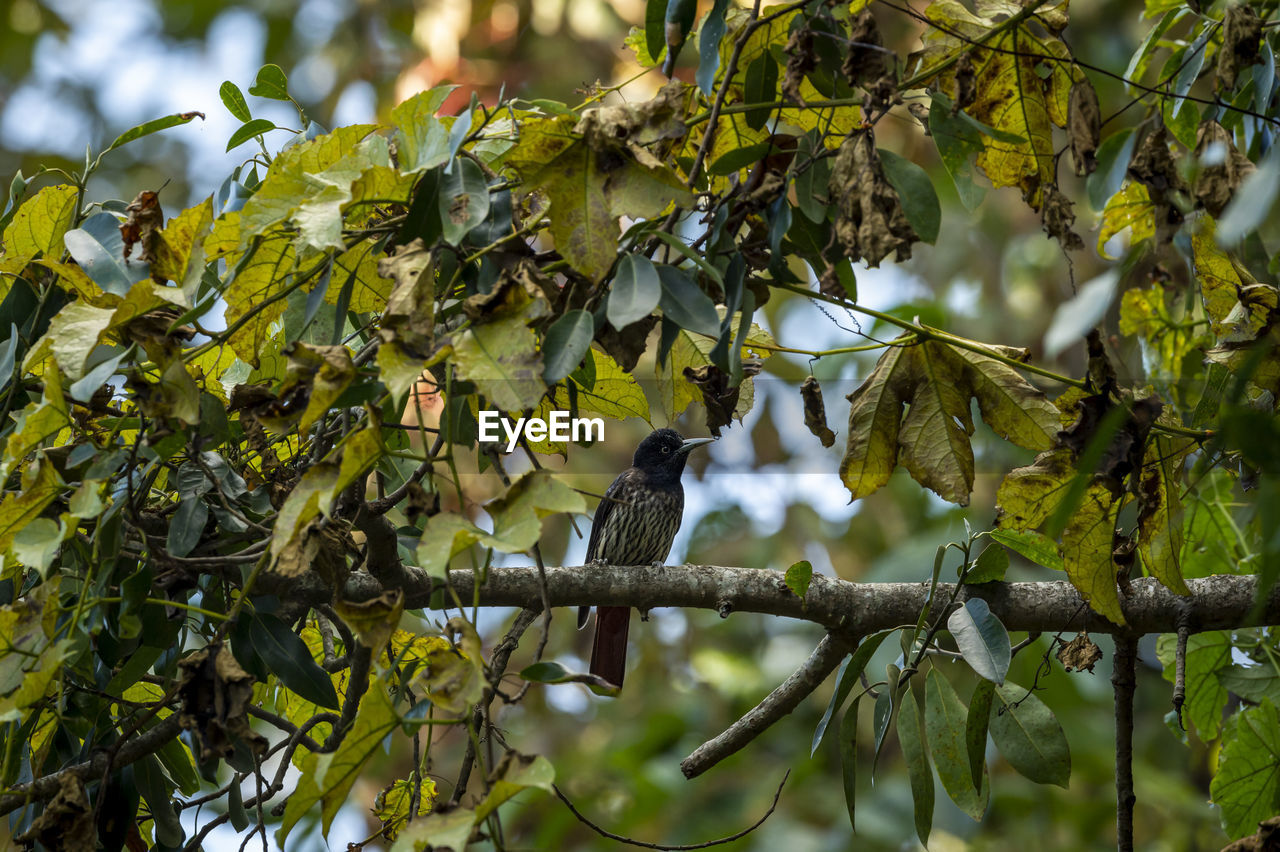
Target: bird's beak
{"type": "Point", "coordinates": [693, 444]}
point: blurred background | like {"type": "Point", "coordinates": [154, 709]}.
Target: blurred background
{"type": "Point", "coordinates": [78, 72]}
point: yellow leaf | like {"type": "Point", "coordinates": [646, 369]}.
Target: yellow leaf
{"type": "Point", "coordinates": [1160, 516]}
{"type": "Point", "coordinates": [502, 358]}
{"type": "Point", "coordinates": [253, 301]}
{"type": "Point", "coordinates": [1087, 543]}
{"type": "Point", "coordinates": [39, 224]}
{"type": "Point", "coordinates": [1130, 208]}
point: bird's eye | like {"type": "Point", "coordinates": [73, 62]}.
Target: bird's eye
{"type": "Point", "coordinates": [666, 449]}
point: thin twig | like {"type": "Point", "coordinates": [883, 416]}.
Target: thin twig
{"type": "Point", "coordinates": [642, 844]}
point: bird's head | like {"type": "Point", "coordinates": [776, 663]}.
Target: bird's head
{"type": "Point", "coordinates": [664, 453]}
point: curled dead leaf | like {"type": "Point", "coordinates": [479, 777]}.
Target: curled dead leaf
{"type": "Point", "coordinates": [867, 61]}
{"type": "Point", "coordinates": [966, 84]}
{"type": "Point", "coordinates": [1084, 126]}
{"type": "Point", "coordinates": [1222, 167]}
{"type": "Point", "coordinates": [1241, 33]}
{"type": "Point", "coordinates": [216, 693]}
{"type": "Point", "coordinates": [144, 224]}
{"type": "Point", "coordinates": [1058, 215]}
{"type": "Point", "coordinates": [1080, 654]}
{"type": "Point", "coordinates": [66, 823]}
{"type": "Point", "coordinates": [870, 222]}
{"type": "Point", "coordinates": [801, 61]}
{"type": "Point", "coordinates": [815, 412]}
{"type": "Point", "coordinates": [718, 394]}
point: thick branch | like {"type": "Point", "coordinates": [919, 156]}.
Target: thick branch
{"type": "Point", "coordinates": [135, 749]}
{"type": "Point", "coordinates": [1218, 602]}
{"type": "Point", "coordinates": [824, 659]}
{"type": "Point", "coordinates": [1123, 681]}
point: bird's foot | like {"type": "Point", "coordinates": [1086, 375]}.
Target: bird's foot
{"type": "Point", "coordinates": [657, 563]}
{"type": "Point", "coordinates": [598, 562]}
{"type": "Point", "coordinates": [644, 615]}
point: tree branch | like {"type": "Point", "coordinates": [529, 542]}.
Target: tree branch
{"type": "Point", "coordinates": [804, 680]}
{"type": "Point", "coordinates": [135, 749]}
{"type": "Point", "coordinates": [1218, 602]}
{"type": "Point", "coordinates": [1123, 680]}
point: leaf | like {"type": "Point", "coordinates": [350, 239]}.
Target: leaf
{"type": "Point", "coordinates": [393, 803]}
{"type": "Point", "coordinates": [919, 199]}
{"type": "Point", "coordinates": [945, 724]}
{"type": "Point", "coordinates": [270, 83]}
{"type": "Point", "coordinates": [849, 758]}
{"type": "Point", "coordinates": [1247, 784]}
{"type": "Point", "coordinates": [1130, 208]}
{"type": "Point", "coordinates": [515, 774]}
{"type": "Point", "coordinates": [422, 140]}
{"type": "Point", "coordinates": [1087, 542]}
{"type": "Point", "coordinates": [1252, 202]}
{"type": "Point", "coordinates": [39, 224]}
{"type": "Point", "coordinates": [912, 739]}
{"type": "Point", "coordinates": [248, 130]}
{"type": "Point", "coordinates": [233, 100]}
{"type": "Point", "coordinates": [848, 675]}
{"type": "Point", "coordinates": [798, 577]}
{"type": "Point", "coordinates": [153, 126]}
{"type": "Point", "coordinates": [187, 526]}
{"type": "Point", "coordinates": [1160, 515]}
{"type": "Point", "coordinates": [286, 656]}
{"type": "Point", "coordinates": [548, 672]}
{"type": "Point", "coordinates": [684, 303]}
{"type": "Point", "coordinates": [982, 639]}
{"type": "Point", "coordinates": [1011, 95]}
{"type": "Point", "coordinates": [1035, 547]}
{"type": "Point", "coordinates": [257, 280]}
{"type": "Point", "coordinates": [502, 358]}
{"type": "Point", "coordinates": [760, 86]}
{"type": "Point", "coordinates": [463, 200]}
{"type": "Point", "coordinates": [935, 382]}
{"type": "Point", "coordinates": [566, 344]}
{"type": "Point", "coordinates": [958, 142]}
{"type": "Point", "coordinates": [975, 729]}
{"type": "Point", "coordinates": [99, 249]}
{"type": "Point", "coordinates": [1207, 654]}
{"type": "Point", "coordinates": [1113, 160]}
{"type": "Point", "coordinates": [990, 566]}
{"type": "Point", "coordinates": [1252, 683]}
{"type": "Point", "coordinates": [328, 778]}
{"type": "Point", "coordinates": [1077, 316]}
{"type": "Point", "coordinates": [1221, 286]}
{"type": "Point", "coordinates": [517, 514]}
{"type": "Point", "coordinates": [635, 292]}
{"type": "Point", "coordinates": [713, 28]}
{"type": "Point", "coordinates": [1029, 736]}
{"type": "Point", "coordinates": [449, 830]}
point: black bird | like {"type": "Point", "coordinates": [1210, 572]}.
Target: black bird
{"type": "Point", "coordinates": [634, 525]}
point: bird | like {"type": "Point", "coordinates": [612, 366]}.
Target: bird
{"type": "Point", "coordinates": [635, 524]}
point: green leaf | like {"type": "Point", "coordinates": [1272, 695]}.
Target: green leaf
{"type": "Point", "coordinates": [849, 759]}
{"type": "Point", "coordinates": [684, 303]}
{"type": "Point", "coordinates": [187, 525]}
{"type": "Point", "coordinates": [1247, 784]}
{"type": "Point", "coordinates": [760, 87]}
{"type": "Point", "coordinates": [463, 200]}
{"type": "Point", "coordinates": [990, 566]}
{"type": "Point", "coordinates": [655, 40]}
{"type": "Point", "coordinates": [958, 142]}
{"type": "Point", "coordinates": [1190, 65]}
{"type": "Point", "coordinates": [915, 189]}
{"type": "Point", "coordinates": [981, 638]}
{"type": "Point", "coordinates": [798, 577]}
{"type": "Point", "coordinates": [288, 658]}
{"type": "Point", "coordinates": [975, 729]}
{"type": "Point", "coordinates": [152, 126]}
{"type": "Point", "coordinates": [1251, 204]}
{"type": "Point", "coordinates": [946, 724]}
{"type": "Point", "coordinates": [713, 28]}
{"type": "Point", "coordinates": [97, 246]}
{"type": "Point", "coordinates": [1077, 316]}
{"type": "Point", "coordinates": [1113, 162]}
{"type": "Point", "coordinates": [848, 675]}
{"type": "Point", "coordinates": [1035, 547]}
{"type": "Point", "coordinates": [1029, 736]}
{"type": "Point", "coordinates": [566, 344]}
{"type": "Point", "coordinates": [270, 83]}
{"type": "Point", "coordinates": [1252, 683]}
{"type": "Point", "coordinates": [635, 292]}
{"type": "Point", "coordinates": [233, 100]}
{"type": "Point", "coordinates": [548, 672]}
{"type": "Point", "coordinates": [915, 750]}
{"type": "Point", "coordinates": [422, 140]}
{"type": "Point", "coordinates": [248, 130]}
{"type": "Point", "coordinates": [442, 830]}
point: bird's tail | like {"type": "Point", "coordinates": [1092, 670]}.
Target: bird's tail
{"type": "Point", "coordinates": [609, 652]}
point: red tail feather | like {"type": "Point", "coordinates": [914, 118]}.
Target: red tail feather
{"type": "Point", "coordinates": [609, 652]}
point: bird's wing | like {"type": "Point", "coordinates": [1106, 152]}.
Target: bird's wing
{"type": "Point", "coordinates": [607, 504]}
